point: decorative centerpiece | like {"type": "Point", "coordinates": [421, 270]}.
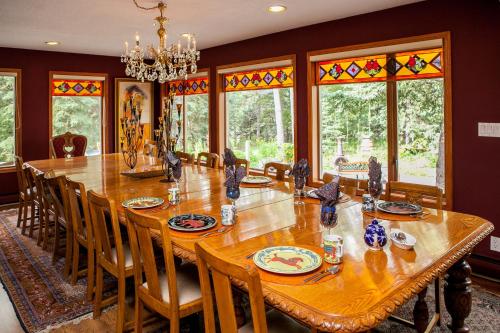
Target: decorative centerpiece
{"type": "Point", "coordinates": [374, 180]}
{"type": "Point", "coordinates": [300, 172]}
{"type": "Point", "coordinates": [175, 165]}
{"type": "Point", "coordinates": [168, 134]}
{"type": "Point", "coordinates": [132, 130]}
{"type": "Point", "coordinates": [328, 195]}
{"type": "Point", "coordinates": [233, 177]}
{"type": "Point", "coordinates": [375, 236]}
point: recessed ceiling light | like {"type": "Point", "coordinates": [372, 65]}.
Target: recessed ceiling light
{"type": "Point", "coordinates": [276, 8]}
{"type": "Point", "coordinates": [52, 43]}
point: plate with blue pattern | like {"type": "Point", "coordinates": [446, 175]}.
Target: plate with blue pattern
{"type": "Point", "coordinates": [289, 260]}
{"type": "Point", "coordinates": [399, 208]}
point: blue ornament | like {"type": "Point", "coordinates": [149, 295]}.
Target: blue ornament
{"type": "Point", "coordinates": [375, 236]}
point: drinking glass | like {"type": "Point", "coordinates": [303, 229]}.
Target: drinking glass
{"type": "Point", "coordinates": [299, 189]}
{"type": "Point", "coordinates": [233, 194]}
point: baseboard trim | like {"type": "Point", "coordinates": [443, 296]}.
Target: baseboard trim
{"type": "Point", "coordinates": [484, 266]}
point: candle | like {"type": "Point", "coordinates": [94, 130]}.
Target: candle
{"type": "Point", "coordinates": [126, 47]}
{"type": "Point", "coordinates": [194, 44]}
{"type": "Point", "coordinates": [137, 38]}
{"type": "Point", "coordinates": [189, 42]}
{"type": "Point", "coordinates": [178, 47]}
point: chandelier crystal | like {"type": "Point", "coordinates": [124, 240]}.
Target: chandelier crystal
{"type": "Point", "coordinates": [162, 63]}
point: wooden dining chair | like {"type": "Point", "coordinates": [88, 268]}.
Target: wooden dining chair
{"type": "Point", "coordinates": [112, 255]}
{"type": "Point", "coordinates": [83, 234]}
{"type": "Point", "coordinates": [211, 159]}
{"type": "Point", "coordinates": [27, 194]}
{"type": "Point", "coordinates": [223, 270]}
{"type": "Point", "coordinates": [68, 145]}
{"type": "Point", "coordinates": [279, 168]}
{"type": "Point", "coordinates": [185, 157]}
{"type": "Point", "coordinates": [424, 195]}
{"type": "Point", "coordinates": [40, 200]}
{"type": "Point", "coordinates": [58, 208]}
{"type": "Point", "coordinates": [175, 293]}
{"type": "Point", "coordinates": [349, 186]}
{"type": "Point", "coordinates": [242, 162]}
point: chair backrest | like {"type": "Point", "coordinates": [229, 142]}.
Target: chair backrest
{"type": "Point", "coordinates": [185, 157]}
{"type": "Point", "coordinates": [103, 214]}
{"type": "Point", "coordinates": [22, 180]}
{"type": "Point", "coordinates": [353, 167]}
{"type": "Point", "coordinates": [140, 232]}
{"type": "Point", "coordinates": [42, 191]}
{"type": "Point", "coordinates": [79, 211]}
{"type": "Point", "coordinates": [211, 159]}
{"type": "Point", "coordinates": [68, 145]}
{"type": "Point", "coordinates": [281, 169]}
{"type": "Point", "coordinates": [242, 162]}
{"type": "Point", "coordinates": [58, 198]}
{"type": "Point", "coordinates": [424, 195]}
{"type": "Point", "coordinates": [349, 186]}
{"type": "Point", "coordinates": [149, 148]}
{"type": "Point", "coordinates": [222, 270]}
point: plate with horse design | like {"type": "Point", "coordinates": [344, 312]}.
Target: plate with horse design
{"type": "Point", "coordinates": [191, 222]}
{"type": "Point", "coordinates": [287, 260]}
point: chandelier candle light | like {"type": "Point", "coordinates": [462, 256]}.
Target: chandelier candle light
{"type": "Point", "coordinates": [165, 63]}
{"type": "Point", "coordinates": [132, 130]}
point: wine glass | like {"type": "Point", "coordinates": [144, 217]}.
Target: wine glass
{"type": "Point", "coordinates": [299, 189]}
{"type": "Point", "coordinates": [329, 217]}
{"type": "Point", "coordinates": [233, 194]}
{"type": "Point", "coordinates": [375, 190]}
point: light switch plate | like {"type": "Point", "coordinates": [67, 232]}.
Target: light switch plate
{"type": "Point", "coordinates": [495, 243]}
{"type": "Point", "coordinates": [488, 129]}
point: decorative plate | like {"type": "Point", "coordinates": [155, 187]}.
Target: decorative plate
{"type": "Point", "coordinates": [142, 202]}
{"type": "Point", "coordinates": [287, 260]}
{"type": "Point", "coordinates": [191, 222]}
{"type": "Point", "coordinates": [399, 207]}
{"type": "Point", "coordinates": [312, 194]}
{"type": "Point", "coordinates": [256, 180]}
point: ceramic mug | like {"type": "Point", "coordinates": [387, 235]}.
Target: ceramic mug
{"type": "Point", "coordinates": [333, 245]}
{"type": "Point", "coordinates": [227, 214]}
{"type": "Point", "coordinates": [174, 196]}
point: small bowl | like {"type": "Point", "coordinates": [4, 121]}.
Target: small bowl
{"type": "Point", "coordinates": [407, 244]}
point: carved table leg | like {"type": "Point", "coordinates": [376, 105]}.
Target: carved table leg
{"type": "Point", "coordinates": [458, 295]}
{"type": "Point", "coordinates": [421, 312]}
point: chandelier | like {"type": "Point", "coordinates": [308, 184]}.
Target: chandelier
{"type": "Point", "coordinates": [162, 63]}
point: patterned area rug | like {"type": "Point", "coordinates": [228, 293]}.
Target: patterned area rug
{"type": "Point", "coordinates": [38, 290]}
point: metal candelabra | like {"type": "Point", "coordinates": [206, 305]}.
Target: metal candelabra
{"type": "Point", "coordinates": [168, 134]}
{"type": "Point", "coordinates": [132, 131]}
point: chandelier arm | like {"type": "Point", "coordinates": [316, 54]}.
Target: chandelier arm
{"type": "Point", "coordinates": [145, 8]}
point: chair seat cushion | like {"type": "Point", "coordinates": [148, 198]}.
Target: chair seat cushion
{"type": "Point", "coordinates": [128, 256]}
{"type": "Point", "coordinates": [188, 286]}
{"type": "Point", "coordinates": [277, 323]}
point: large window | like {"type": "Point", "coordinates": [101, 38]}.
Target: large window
{"type": "Point", "coordinates": [192, 95]}
{"type": "Point", "coordinates": [77, 107]}
{"type": "Point", "coordinates": [259, 115]}
{"type": "Point", "coordinates": [9, 116]}
{"type": "Point", "coordinates": [390, 106]}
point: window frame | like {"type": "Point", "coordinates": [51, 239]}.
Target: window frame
{"type": "Point", "coordinates": [220, 99]}
{"type": "Point", "coordinates": [17, 73]}
{"type": "Point", "coordinates": [314, 135]}
{"type": "Point", "coordinates": [104, 110]}
{"type": "Point", "coordinates": [203, 72]}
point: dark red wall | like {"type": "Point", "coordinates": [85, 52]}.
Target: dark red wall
{"type": "Point", "coordinates": [475, 42]}
{"type": "Point", "coordinates": [475, 36]}
{"type": "Point", "coordinates": [35, 66]}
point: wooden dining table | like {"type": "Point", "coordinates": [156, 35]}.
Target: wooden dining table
{"type": "Point", "coordinates": [370, 286]}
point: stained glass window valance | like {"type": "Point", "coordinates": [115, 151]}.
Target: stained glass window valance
{"type": "Point", "coordinates": [190, 87]}
{"type": "Point", "coordinates": [259, 79]}
{"type": "Point", "coordinates": [62, 87]}
{"type": "Point", "coordinates": [400, 66]}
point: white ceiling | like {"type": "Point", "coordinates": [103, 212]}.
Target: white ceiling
{"type": "Point", "coordinates": [102, 26]}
